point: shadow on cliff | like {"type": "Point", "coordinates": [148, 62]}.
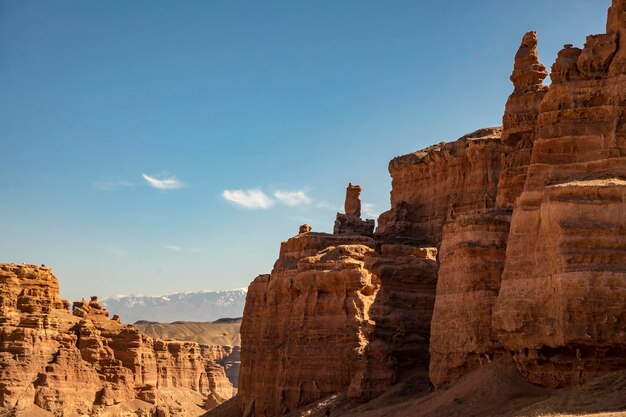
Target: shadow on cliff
{"type": "Point", "coordinates": [496, 389]}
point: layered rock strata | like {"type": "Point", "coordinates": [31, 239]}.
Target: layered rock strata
{"type": "Point", "coordinates": [471, 263]}
{"type": "Point", "coordinates": [431, 186]}
{"type": "Point", "coordinates": [228, 357]}
{"type": "Point", "coordinates": [401, 272]}
{"type": "Point", "coordinates": [400, 316]}
{"type": "Point", "coordinates": [306, 324]}
{"type": "Point", "coordinates": [86, 363]}
{"type": "Point", "coordinates": [474, 244]}
{"type": "Point", "coordinates": [529, 223]}
{"type": "Point", "coordinates": [561, 305]}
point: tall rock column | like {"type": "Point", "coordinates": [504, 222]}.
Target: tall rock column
{"type": "Point", "coordinates": [351, 223]}
{"type": "Point", "coordinates": [562, 303]}
{"type": "Point", "coordinates": [520, 118]}
{"type": "Point", "coordinates": [616, 25]}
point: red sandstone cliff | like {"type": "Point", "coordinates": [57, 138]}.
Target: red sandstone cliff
{"type": "Point", "coordinates": [561, 307]}
{"type": "Point", "coordinates": [88, 363]}
{"type": "Point", "coordinates": [506, 242]}
{"type": "Point", "coordinates": [306, 325]}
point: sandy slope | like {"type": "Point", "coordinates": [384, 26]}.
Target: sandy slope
{"type": "Point", "coordinates": [207, 333]}
{"type": "Point", "coordinates": [494, 390]}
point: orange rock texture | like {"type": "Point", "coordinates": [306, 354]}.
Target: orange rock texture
{"type": "Point", "coordinates": [507, 241]}
{"type": "Point", "coordinates": [86, 363]}
{"type": "Point", "coordinates": [306, 325]}
{"type": "Point", "coordinates": [561, 307]}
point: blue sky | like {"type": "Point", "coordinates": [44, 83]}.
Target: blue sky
{"type": "Point", "coordinates": [131, 133]}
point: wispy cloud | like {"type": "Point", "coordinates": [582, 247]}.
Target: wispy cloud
{"type": "Point", "coordinates": [370, 210]}
{"type": "Point", "coordinates": [185, 249]}
{"type": "Point", "coordinates": [327, 206]}
{"type": "Point", "coordinates": [250, 199]}
{"type": "Point", "coordinates": [117, 252]}
{"type": "Point", "coordinates": [112, 184]}
{"type": "Point", "coordinates": [292, 198]}
{"type": "Point", "coordinates": [174, 248]}
{"type": "Point", "coordinates": [163, 183]}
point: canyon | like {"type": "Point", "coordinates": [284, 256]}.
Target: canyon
{"type": "Point", "coordinates": [503, 251]}
{"type": "Point", "coordinates": [494, 285]}
{"type": "Point", "coordinates": [60, 363]}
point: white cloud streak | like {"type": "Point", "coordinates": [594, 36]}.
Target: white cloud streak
{"type": "Point", "coordinates": [292, 198]}
{"type": "Point", "coordinates": [370, 210]}
{"type": "Point", "coordinates": [327, 206]}
{"type": "Point", "coordinates": [250, 199]}
{"type": "Point", "coordinates": [174, 248]}
{"type": "Point", "coordinates": [170, 183]}
{"type": "Point", "coordinates": [112, 184]}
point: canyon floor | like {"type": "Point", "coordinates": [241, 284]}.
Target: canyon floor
{"type": "Point", "coordinates": [496, 389]}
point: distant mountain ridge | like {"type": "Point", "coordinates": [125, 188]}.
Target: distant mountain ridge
{"type": "Point", "coordinates": [216, 333]}
{"type": "Point", "coordinates": [200, 306]}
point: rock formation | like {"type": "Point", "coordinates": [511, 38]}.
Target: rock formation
{"type": "Point", "coordinates": [560, 308]}
{"type": "Point", "coordinates": [353, 200]}
{"type": "Point", "coordinates": [350, 223]}
{"type": "Point", "coordinates": [429, 187]}
{"type": "Point", "coordinates": [228, 357]}
{"type": "Point", "coordinates": [520, 116]}
{"type": "Point", "coordinates": [400, 317]}
{"type": "Point", "coordinates": [87, 363]}
{"type": "Point", "coordinates": [505, 242]}
{"type": "Point", "coordinates": [306, 325]}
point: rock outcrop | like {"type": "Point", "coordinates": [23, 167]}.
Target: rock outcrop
{"type": "Point", "coordinates": [474, 243]}
{"type": "Point", "coordinates": [400, 317]}
{"type": "Point", "coordinates": [391, 325]}
{"type": "Point", "coordinates": [228, 357]}
{"type": "Point", "coordinates": [306, 325]}
{"type": "Point", "coordinates": [508, 241]}
{"type": "Point", "coordinates": [439, 183]}
{"type": "Point", "coordinates": [350, 222]}
{"type": "Point", "coordinates": [85, 362]}
{"type": "Point", "coordinates": [560, 308]}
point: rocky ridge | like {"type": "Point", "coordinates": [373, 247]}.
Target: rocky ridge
{"type": "Point", "coordinates": [85, 363]}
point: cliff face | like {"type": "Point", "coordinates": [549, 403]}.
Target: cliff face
{"type": "Point", "coordinates": [86, 362]}
{"type": "Point", "coordinates": [436, 184]}
{"type": "Point", "coordinates": [371, 299]}
{"type": "Point", "coordinates": [306, 325]}
{"type": "Point", "coordinates": [505, 242]}
{"type": "Point", "coordinates": [561, 304]}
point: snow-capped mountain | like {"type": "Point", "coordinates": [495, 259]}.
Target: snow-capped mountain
{"type": "Point", "coordinates": [187, 306]}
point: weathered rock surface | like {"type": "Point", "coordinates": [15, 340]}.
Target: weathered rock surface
{"type": "Point", "coordinates": [400, 316]}
{"type": "Point", "coordinates": [219, 341]}
{"type": "Point", "coordinates": [306, 325]}
{"type": "Point", "coordinates": [474, 243]}
{"type": "Point", "coordinates": [439, 183]}
{"type": "Point", "coordinates": [561, 305]}
{"type": "Point", "coordinates": [529, 223]}
{"type": "Point", "coordinates": [520, 116]}
{"type": "Point", "coordinates": [471, 264]}
{"type": "Point", "coordinates": [350, 223]}
{"type": "Point", "coordinates": [228, 357]}
{"type": "Point", "coordinates": [87, 363]}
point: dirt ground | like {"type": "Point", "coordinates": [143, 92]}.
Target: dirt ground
{"type": "Point", "coordinates": [494, 390]}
